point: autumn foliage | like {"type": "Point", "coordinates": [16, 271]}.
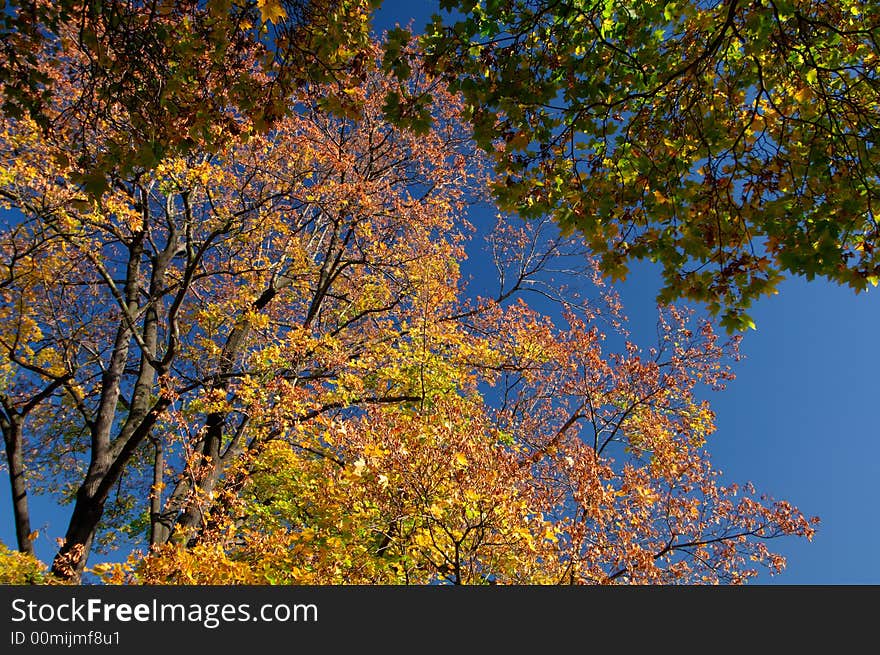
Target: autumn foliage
{"type": "Point", "coordinates": [258, 360]}
{"type": "Point", "coordinates": [593, 471]}
{"type": "Point", "coordinates": [156, 79]}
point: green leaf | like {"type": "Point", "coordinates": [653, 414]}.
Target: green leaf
{"type": "Point", "coordinates": [95, 183]}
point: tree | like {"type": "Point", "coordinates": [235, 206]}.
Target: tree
{"type": "Point", "coordinates": [729, 141]}
{"type": "Point", "coordinates": [218, 351]}
{"type": "Point", "coordinates": [587, 469]}
{"type": "Point", "coordinates": [202, 305]}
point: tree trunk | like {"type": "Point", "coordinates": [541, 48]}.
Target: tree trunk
{"type": "Point", "coordinates": [156, 491]}
{"type": "Point", "coordinates": [12, 437]}
{"type": "Point", "coordinates": [70, 562]}
{"type": "Point", "coordinates": [183, 511]}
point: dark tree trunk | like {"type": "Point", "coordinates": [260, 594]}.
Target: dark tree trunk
{"type": "Point", "coordinates": [12, 437]}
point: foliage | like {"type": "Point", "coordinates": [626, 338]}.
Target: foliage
{"type": "Point", "coordinates": [20, 568]}
{"type": "Point", "coordinates": [252, 352]}
{"type": "Point", "coordinates": [174, 76]}
{"type": "Point", "coordinates": [208, 303]}
{"type": "Point", "coordinates": [729, 141]}
{"type": "Point", "coordinates": [592, 470]}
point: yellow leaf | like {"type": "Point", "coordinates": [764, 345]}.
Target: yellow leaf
{"type": "Point", "coordinates": [659, 197]}
{"type": "Point", "coordinates": [460, 459]}
{"type": "Point", "coordinates": [803, 94]}
{"type": "Point", "coordinates": [271, 11]}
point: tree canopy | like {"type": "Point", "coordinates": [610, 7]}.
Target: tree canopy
{"type": "Point", "coordinates": [173, 75]}
{"type": "Point", "coordinates": [233, 325]}
{"type": "Point", "coordinates": [260, 362]}
{"type": "Point", "coordinates": [729, 141]}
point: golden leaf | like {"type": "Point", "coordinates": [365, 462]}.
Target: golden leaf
{"type": "Point", "coordinates": [271, 11]}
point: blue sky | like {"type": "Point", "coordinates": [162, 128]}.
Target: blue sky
{"type": "Point", "coordinates": [799, 421]}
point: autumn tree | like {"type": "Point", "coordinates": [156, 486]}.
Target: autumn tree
{"type": "Point", "coordinates": [256, 356]}
{"type": "Point", "coordinates": [578, 467]}
{"type": "Point", "coordinates": [155, 333]}
{"type": "Point", "coordinates": [729, 141]}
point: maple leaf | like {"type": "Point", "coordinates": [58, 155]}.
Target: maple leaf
{"type": "Point", "coordinates": [271, 11]}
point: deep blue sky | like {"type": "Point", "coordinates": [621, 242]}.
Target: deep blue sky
{"type": "Point", "coordinates": [799, 421]}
